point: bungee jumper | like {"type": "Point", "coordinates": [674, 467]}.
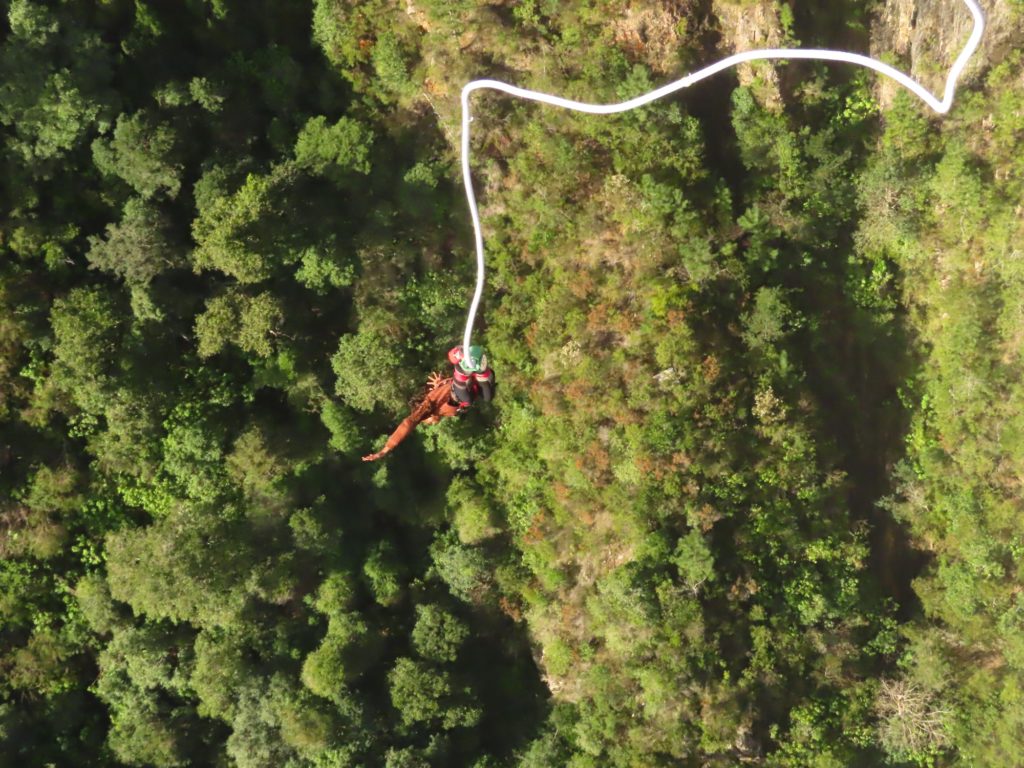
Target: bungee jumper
{"type": "Point", "coordinates": [443, 397]}
{"type": "Point", "coordinates": [471, 377]}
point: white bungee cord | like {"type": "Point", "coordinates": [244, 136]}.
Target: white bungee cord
{"type": "Point", "coordinates": [941, 107]}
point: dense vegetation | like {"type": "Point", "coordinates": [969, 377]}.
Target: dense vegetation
{"type": "Point", "coordinates": [751, 489]}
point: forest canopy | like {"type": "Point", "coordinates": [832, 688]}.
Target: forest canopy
{"type": "Point", "coordinates": [750, 489]}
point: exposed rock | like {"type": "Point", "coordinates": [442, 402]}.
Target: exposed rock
{"type": "Point", "coordinates": [747, 746]}
{"type": "Point", "coordinates": [651, 34]}
{"type": "Point", "coordinates": [419, 17]}
{"type": "Point", "coordinates": [928, 35]}
{"type": "Point", "coordinates": [744, 28]}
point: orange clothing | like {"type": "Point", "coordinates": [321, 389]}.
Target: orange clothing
{"type": "Point", "coordinates": [436, 405]}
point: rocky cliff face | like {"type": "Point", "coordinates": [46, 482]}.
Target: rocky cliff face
{"type": "Point", "coordinates": [927, 35]}
{"type": "Point", "coordinates": [744, 28]}
{"type": "Point", "coordinates": [922, 36]}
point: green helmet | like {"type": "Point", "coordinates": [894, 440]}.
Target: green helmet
{"type": "Point", "coordinates": [474, 361]}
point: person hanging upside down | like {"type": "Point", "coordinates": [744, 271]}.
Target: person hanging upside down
{"type": "Point", "coordinates": [445, 397]}
{"type": "Point", "coordinates": [471, 377]}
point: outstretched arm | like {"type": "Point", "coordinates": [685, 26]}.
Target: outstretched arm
{"type": "Point", "coordinates": [427, 411]}
{"type": "Point", "coordinates": [401, 432]}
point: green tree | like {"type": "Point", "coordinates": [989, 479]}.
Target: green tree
{"type": "Point", "coordinates": [255, 740]}
{"type": "Point", "coordinates": [424, 694]}
{"type": "Point", "coordinates": [345, 434]}
{"type": "Point", "coordinates": [256, 469]}
{"type": "Point", "coordinates": [41, 665]}
{"type": "Point", "coordinates": [142, 731]}
{"type": "Point", "coordinates": [235, 231]}
{"type": "Point", "coordinates": [86, 325]}
{"type": "Point", "coordinates": [384, 574]}
{"type": "Point", "coordinates": [335, 594]}
{"type": "Point", "coordinates": [438, 634]}
{"type": "Point", "coordinates": [462, 568]}
{"type": "Point", "coordinates": [198, 569]}
{"type": "Point", "coordinates": [344, 146]}
{"type": "Point", "coordinates": [473, 515]}
{"type": "Point", "coordinates": [369, 368]}
{"type": "Point", "coordinates": [143, 152]}
{"type": "Point", "coordinates": [694, 561]}
{"type": "Point", "coordinates": [136, 248]}
{"type": "Point", "coordinates": [98, 608]}
{"type": "Point", "coordinates": [223, 668]}
{"type": "Point", "coordinates": [249, 322]}
{"type": "Point", "coordinates": [343, 656]}
{"type": "Point", "coordinates": [54, 490]}
{"type": "Point", "coordinates": [768, 320]}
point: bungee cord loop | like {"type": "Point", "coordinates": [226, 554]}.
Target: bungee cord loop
{"type": "Point", "coordinates": [941, 106]}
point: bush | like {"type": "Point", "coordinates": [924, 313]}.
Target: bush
{"type": "Point", "coordinates": [472, 514]}
{"type": "Point", "coordinates": [438, 633]}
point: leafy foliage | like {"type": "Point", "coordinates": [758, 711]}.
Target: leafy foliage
{"type": "Point", "coordinates": [749, 492]}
